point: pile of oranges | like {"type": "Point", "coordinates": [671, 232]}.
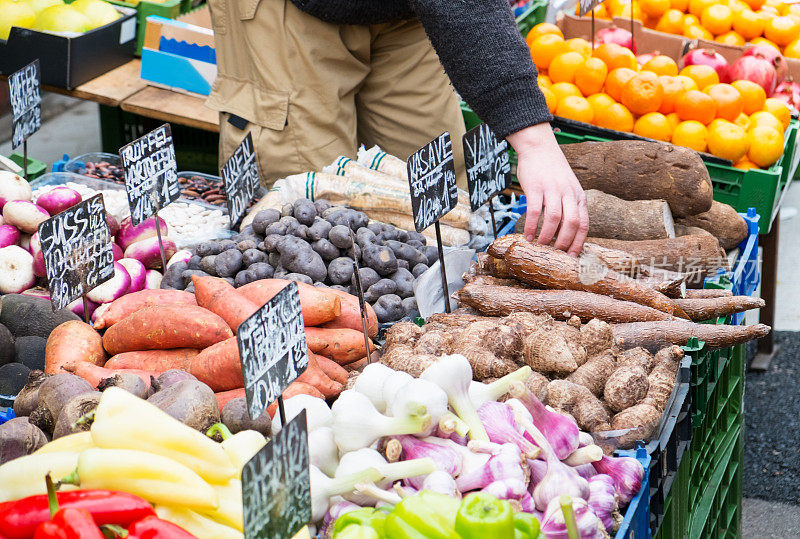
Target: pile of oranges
{"type": "Point", "coordinates": [733, 22]}
{"type": "Point", "coordinates": [606, 86]}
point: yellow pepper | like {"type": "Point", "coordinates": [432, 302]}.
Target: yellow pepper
{"type": "Point", "coordinates": [239, 447]}
{"type": "Point", "coordinates": [230, 511]}
{"type": "Point", "coordinates": [303, 534]}
{"type": "Point", "coordinates": [155, 478]}
{"type": "Point", "coordinates": [124, 421]}
{"type": "Point", "coordinates": [24, 476]}
{"type": "Point", "coordinates": [195, 523]}
{"type": "Point", "coordinates": [75, 442]}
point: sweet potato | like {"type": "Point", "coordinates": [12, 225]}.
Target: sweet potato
{"type": "Point", "coordinates": [164, 327]}
{"type": "Point", "coordinates": [153, 360]}
{"type": "Point", "coordinates": [130, 303]}
{"type": "Point", "coordinates": [315, 376]}
{"type": "Point", "coordinates": [350, 317]}
{"type": "Point", "coordinates": [218, 366]}
{"type": "Point", "coordinates": [219, 297]}
{"type": "Point", "coordinates": [341, 345]}
{"type": "Point", "coordinates": [70, 342]}
{"type": "Point", "coordinates": [295, 388]}
{"type": "Point", "coordinates": [551, 268]}
{"type": "Point", "coordinates": [333, 370]}
{"type": "Point", "coordinates": [656, 335]}
{"type": "Point", "coordinates": [94, 374]}
{"type": "Point", "coordinates": [319, 305]}
{"type": "Point", "coordinates": [224, 397]}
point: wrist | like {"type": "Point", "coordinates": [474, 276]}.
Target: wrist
{"type": "Point", "coordinates": [531, 138]}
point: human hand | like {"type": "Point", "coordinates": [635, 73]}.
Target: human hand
{"type": "Point", "coordinates": [552, 190]}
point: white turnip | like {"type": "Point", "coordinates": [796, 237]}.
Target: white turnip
{"type": "Point", "coordinates": [147, 251]}
{"type": "Point", "coordinates": [129, 234]}
{"type": "Point", "coordinates": [16, 270]}
{"type": "Point", "coordinates": [152, 280]}
{"type": "Point", "coordinates": [37, 292]}
{"type": "Point", "coordinates": [13, 187]}
{"type": "Point", "coordinates": [24, 215]}
{"type": "Point", "coordinates": [112, 289]}
{"type": "Point", "coordinates": [137, 272]}
{"type": "Point", "coordinates": [35, 248]}
{"type": "Point", "coordinates": [9, 235]}
{"type": "Point", "coordinates": [59, 199]}
{"type": "Point", "coordinates": [25, 242]}
{"type": "Point", "coordinates": [181, 256]}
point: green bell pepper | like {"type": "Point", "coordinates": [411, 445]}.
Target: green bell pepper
{"type": "Point", "coordinates": [482, 516]}
{"type": "Point", "coordinates": [426, 515]}
{"type": "Point", "coordinates": [526, 526]}
{"type": "Point", "coordinates": [357, 531]}
{"type": "Point", "coordinates": [364, 518]}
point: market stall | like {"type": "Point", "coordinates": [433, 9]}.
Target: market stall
{"type": "Point", "coordinates": [358, 352]}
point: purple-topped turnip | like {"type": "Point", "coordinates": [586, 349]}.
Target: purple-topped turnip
{"type": "Point", "coordinates": [35, 248]}
{"type": "Point", "coordinates": [37, 292]}
{"type": "Point", "coordinates": [137, 272]}
{"type": "Point", "coordinates": [24, 215]}
{"type": "Point", "coordinates": [152, 280]}
{"type": "Point", "coordinates": [9, 235]}
{"type": "Point", "coordinates": [129, 234]}
{"type": "Point", "coordinates": [16, 270]}
{"type": "Point", "coordinates": [77, 307]}
{"type": "Point", "coordinates": [113, 224]}
{"type": "Point", "coordinates": [181, 256]}
{"type": "Point", "coordinates": [13, 187]}
{"type": "Point", "coordinates": [112, 289]}
{"type": "Point", "coordinates": [147, 252]}
{"type": "Point", "coordinates": [117, 251]}
{"type": "Point", "coordinates": [59, 199]}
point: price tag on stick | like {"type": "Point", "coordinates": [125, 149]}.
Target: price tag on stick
{"type": "Point", "coordinates": [24, 88]}
{"type": "Point", "coordinates": [432, 182]}
{"type": "Point", "coordinates": [240, 175]}
{"type": "Point", "coordinates": [588, 5]}
{"type": "Point", "coordinates": [76, 245]}
{"type": "Point", "coordinates": [362, 304]}
{"type": "Point", "coordinates": [151, 177]}
{"type": "Point", "coordinates": [276, 485]}
{"type": "Point", "coordinates": [272, 347]}
{"type": "Point", "coordinates": [488, 166]}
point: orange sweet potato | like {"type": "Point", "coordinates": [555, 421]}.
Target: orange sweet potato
{"type": "Point", "coordinates": [223, 397]}
{"type": "Point", "coordinates": [72, 342]}
{"type": "Point", "coordinates": [95, 373]}
{"type": "Point", "coordinates": [164, 327]}
{"type": "Point", "coordinates": [341, 345]}
{"type": "Point", "coordinates": [153, 360]}
{"type": "Point", "coordinates": [350, 318]}
{"type": "Point", "coordinates": [333, 370]}
{"type": "Point", "coordinates": [130, 303]}
{"type": "Point", "coordinates": [319, 305]}
{"type": "Point", "coordinates": [315, 376]}
{"type": "Point", "coordinates": [218, 366]}
{"type": "Point", "coordinates": [219, 297]}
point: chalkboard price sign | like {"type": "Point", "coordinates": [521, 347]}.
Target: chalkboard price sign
{"type": "Point", "coordinates": [240, 174]}
{"type": "Point", "coordinates": [26, 102]}
{"type": "Point", "coordinates": [276, 485]}
{"type": "Point", "coordinates": [151, 173]}
{"type": "Point", "coordinates": [272, 345]}
{"type": "Point", "coordinates": [76, 245]}
{"type": "Point", "coordinates": [432, 181]}
{"type": "Point", "coordinates": [487, 164]}
{"type": "Point", "coordinates": [588, 5]}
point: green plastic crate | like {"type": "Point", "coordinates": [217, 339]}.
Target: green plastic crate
{"type": "Point", "coordinates": [675, 521]}
{"type": "Point", "coordinates": [169, 9]}
{"type": "Point", "coordinates": [532, 16]}
{"type": "Point", "coordinates": [35, 168]}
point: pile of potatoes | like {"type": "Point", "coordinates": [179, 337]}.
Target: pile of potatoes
{"type": "Point", "coordinates": [311, 242]}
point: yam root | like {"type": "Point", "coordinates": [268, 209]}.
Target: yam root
{"type": "Point", "coordinates": [315, 376]}
{"type": "Point", "coordinates": [403, 358]}
{"type": "Point", "coordinates": [403, 333]}
{"type": "Point", "coordinates": [625, 388]}
{"type": "Point", "coordinates": [705, 293]}
{"type": "Point", "coordinates": [698, 255]}
{"type": "Point", "coordinates": [640, 170]}
{"type": "Point", "coordinates": [551, 268]}
{"type": "Point", "coordinates": [636, 358]}
{"type": "Point", "coordinates": [94, 374]}
{"type": "Point", "coordinates": [707, 309]}
{"type": "Point", "coordinates": [495, 300]}
{"type": "Point", "coordinates": [722, 221]}
{"type": "Point", "coordinates": [218, 366]}
{"type": "Point", "coordinates": [295, 388]}
{"type": "Point", "coordinates": [656, 335]}
{"type": "Point", "coordinates": [616, 260]}
{"type": "Point", "coordinates": [549, 351]}
{"type": "Point", "coordinates": [613, 217]}
{"type": "Point", "coordinates": [641, 422]}
{"type": "Point", "coordinates": [434, 343]}
{"type": "Point", "coordinates": [578, 401]}
{"type": "Point", "coordinates": [594, 374]}
{"type": "Point", "coordinates": [596, 336]}
{"type": "Point", "coordinates": [670, 283]}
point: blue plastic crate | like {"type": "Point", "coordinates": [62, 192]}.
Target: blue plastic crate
{"type": "Point", "coordinates": [6, 414]}
{"type": "Point", "coordinates": [636, 522]}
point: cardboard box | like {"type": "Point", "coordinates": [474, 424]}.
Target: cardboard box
{"type": "Point", "coordinates": [68, 62]}
{"type": "Point", "coordinates": [179, 54]}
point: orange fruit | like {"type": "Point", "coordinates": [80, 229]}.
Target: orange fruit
{"type": "Point", "coordinates": [600, 101]}
{"type": "Point", "coordinates": [745, 164]}
{"type": "Point", "coordinates": [546, 47]}
{"type": "Point", "coordinates": [688, 83]}
{"type": "Point", "coordinates": [674, 120]}
{"type": "Point", "coordinates": [730, 38]}
{"type": "Point", "coordinates": [728, 141]}
{"type": "Point", "coordinates": [764, 41]}
{"type": "Point", "coordinates": [728, 99]}
{"type": "Point", "coordinates": [642, 94]}
{"type": "Point", "coordinates": [661, 65]}
{"type": "Point", "coordinates": [653, 125]}
{"type": "Point", "coordinates": [748, 24]}
{"type": "Point", "coordinates": [779, 109]}
{"type": "Point", "coordinates": [670, 22]}
{"type": "Point", "coordinates": [544, 81]}
{"type": "Point", "coordinates": [755, 5]}
{"type": "Point", "coordinates": [770, 11]}
{"type": "Point", "coordinates": [690, 20]}
{"type": "Point", "coordinates": [782, 30]}
{"type": "Point", "coordinates": [671, 88]}
{"type": "Point", "coordinates": [551, 99]}
{"type": "Point", "coordinates": [690, 134]}
{"type": "Point", "coordinates": [616, 81]}
{"type": "Point", "coordinates": [615, 117]}
{"type": "Point", "coordinates": [737, 6]}
{"type": "Point", "coordinates": [717, 121]}
{"type": "Point", "coordinates": [680, 5]}
{"type": "Point", "coordinates": [654, 8]}
{"type": "Point", "coordinates": [600, 12]}
{"type": "Point", "coordinates": [615, 56]}
{"type": "Point", "coordinates": [753, 95]}
{"type": "Point", "coordinates": [564, 89]}
{"type": "Point", "coordinates": [631, 11]}
{"type": "Point", "coordinates": [697, 7]}
{"type": "Point", "coordinates": [792, 50]}
{"type": "Point", "coordinates": [591, 75]}
{"type": "Point", "coordinates": [695, 105]}
{"type": "Point", "coordinates": [717, 19]}
{"type": "Point", "coordinates": [743, 120]}
{"type": "Point", "coordinates": [697, 32]}
{"type": "Point", "coordinates": [564, 66]}
{"type": "Point", "coordinates": [580, 45]}
{"type": "Point", "coordinates": [542, 29]}
{"type": "Point", "coordinates": [703, 75]}
{"type": "Point", "coordinates": [765, 119]}
{"type": "Point", "coordinates": [650, 22]}
{"type": "Point", "coordinates": [766, 146]}
{"type": "Point", "coordinates": [575, 108]}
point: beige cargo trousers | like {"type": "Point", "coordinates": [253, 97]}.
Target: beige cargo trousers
{"type": "Point", "coordinates": [311, 91]}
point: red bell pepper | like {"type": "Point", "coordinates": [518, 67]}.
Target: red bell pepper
{"type": "Point", "coordinates": [49, 530]}
{"type": "Point", "coordinates": [72, 524]}
{"type": "Point", "coordinates": [19, 519]}
{"type": "Point", "coordinates": [156, 528]}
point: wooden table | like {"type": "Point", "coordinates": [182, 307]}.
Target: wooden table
{"type": "Point", "coordinates": [173, 107]}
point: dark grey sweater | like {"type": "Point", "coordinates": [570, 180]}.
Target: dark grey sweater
{"type": "Point", "coordinates": [478, 44]}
